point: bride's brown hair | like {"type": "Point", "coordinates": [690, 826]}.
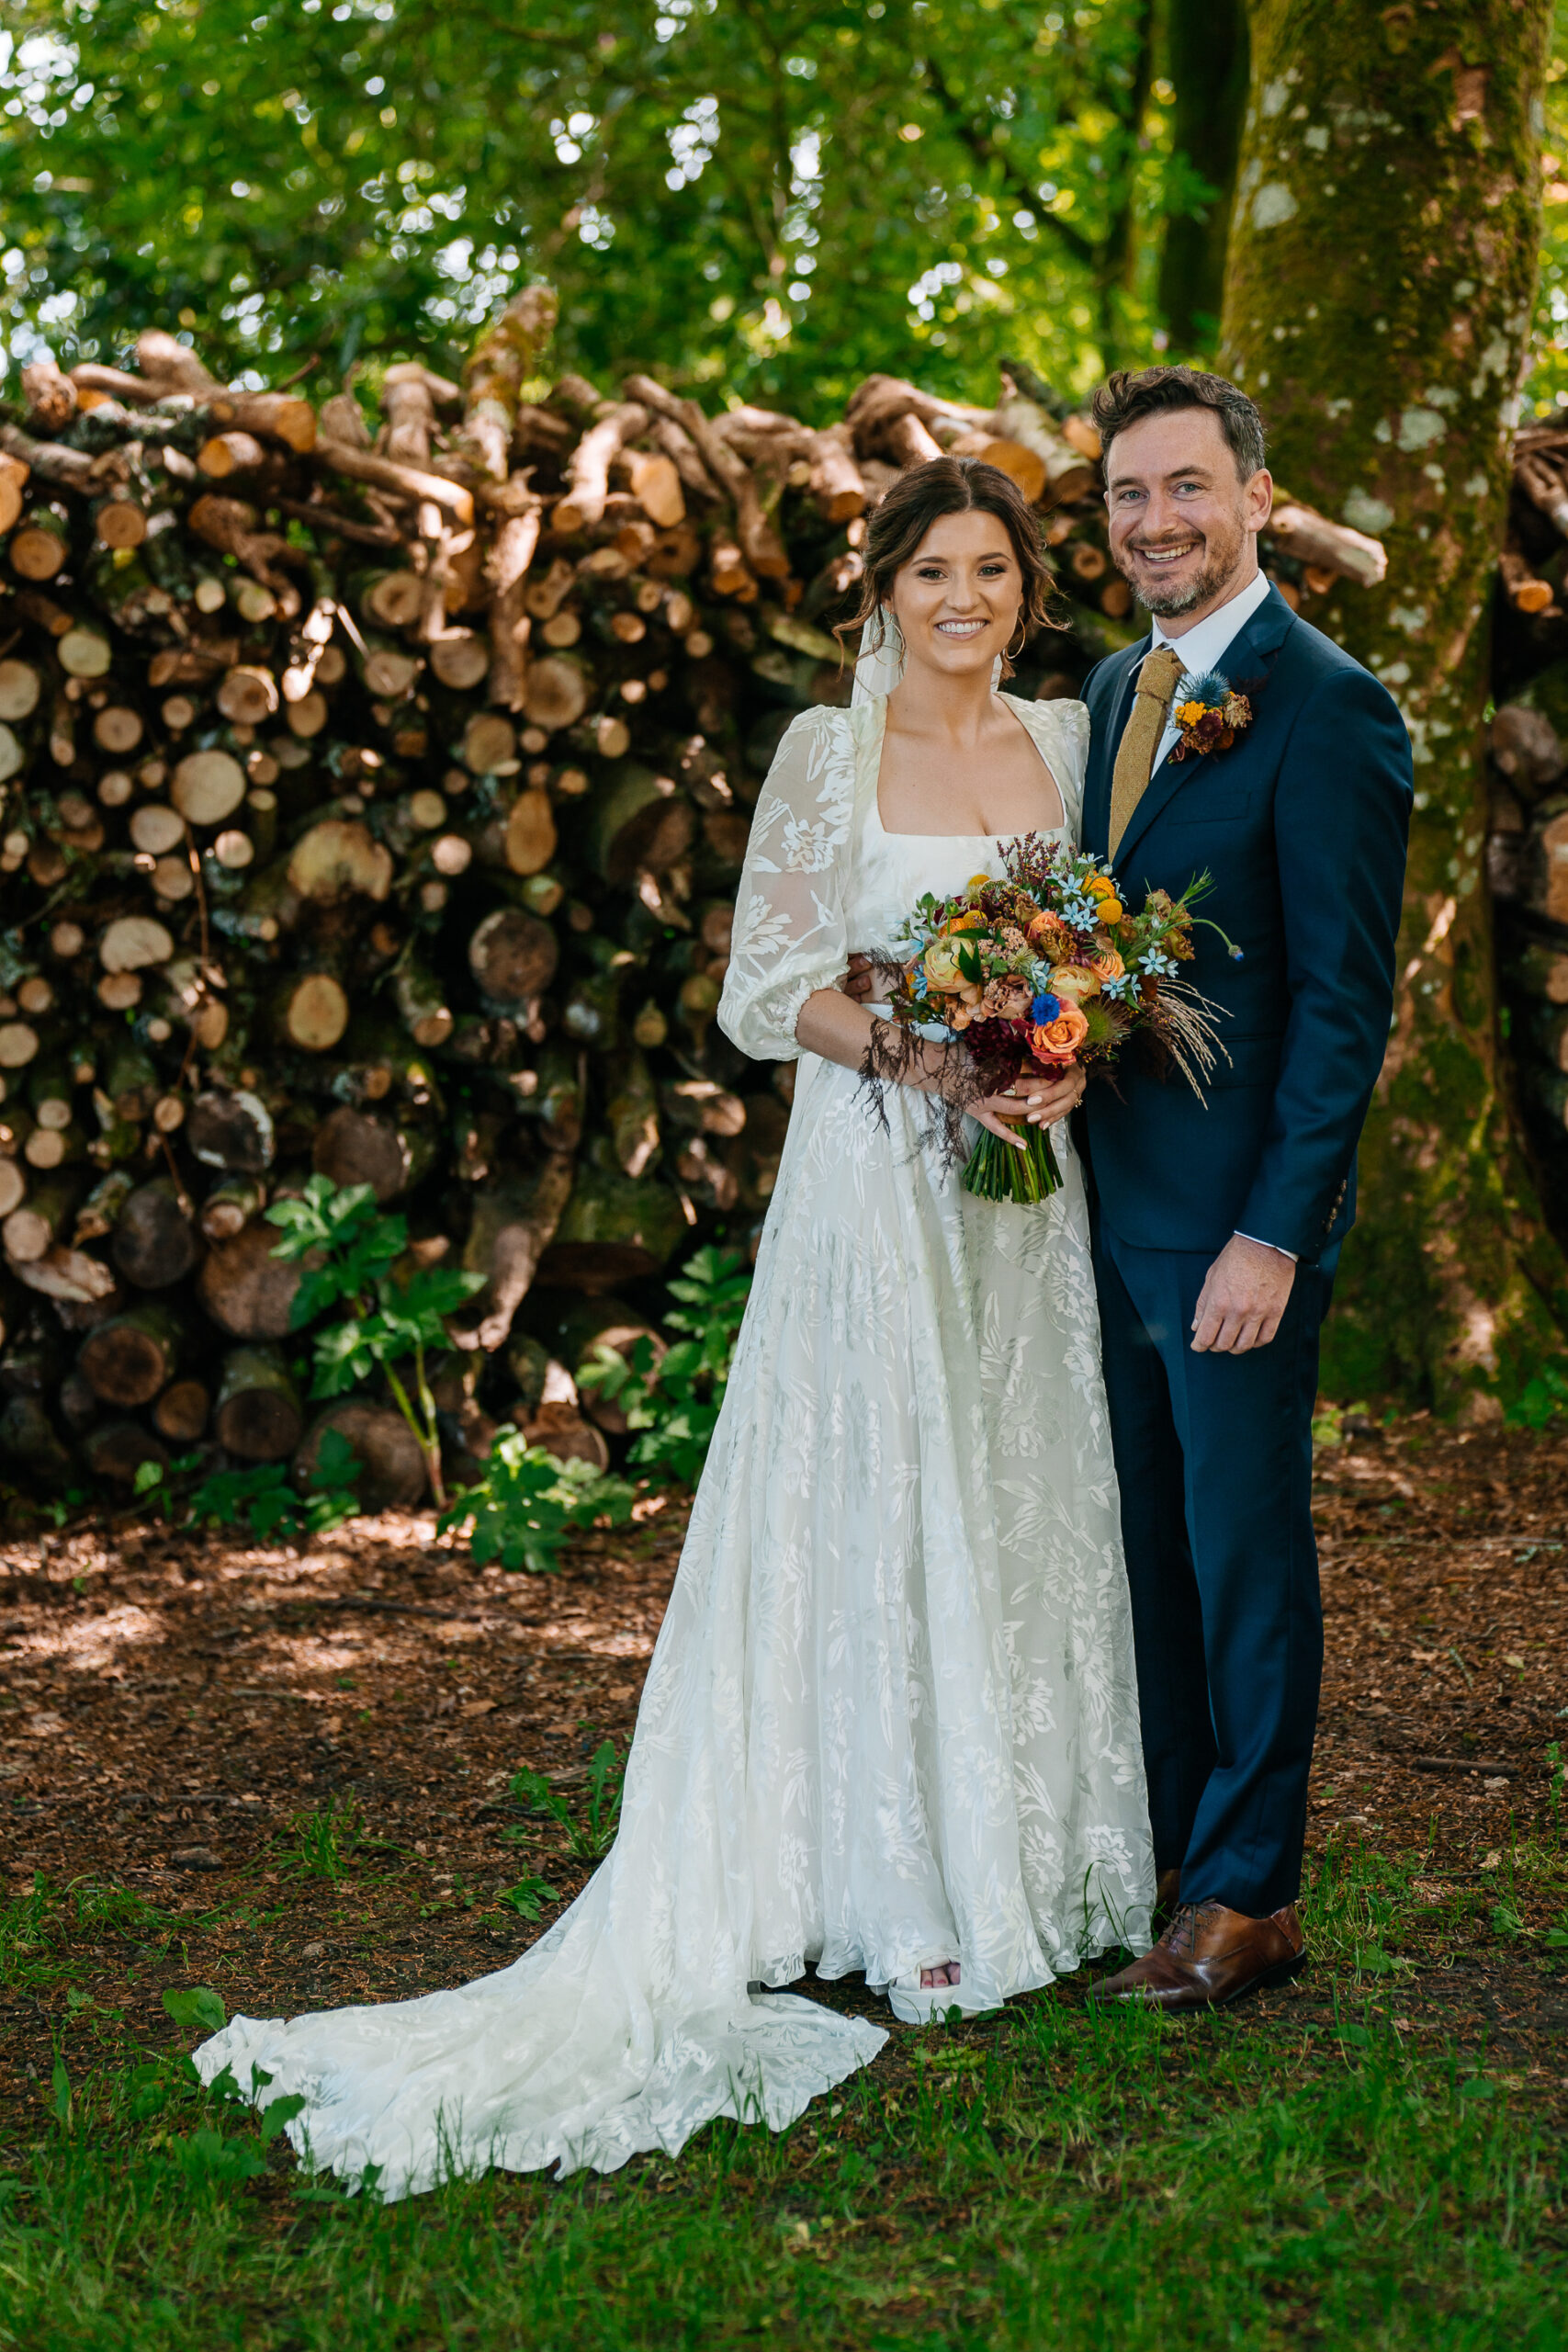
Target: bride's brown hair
{"type": "Point", "coordinates": [921, 497]}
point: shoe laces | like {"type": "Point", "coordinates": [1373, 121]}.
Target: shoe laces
{"type": "Point", "coordinates": [1187, 1921]}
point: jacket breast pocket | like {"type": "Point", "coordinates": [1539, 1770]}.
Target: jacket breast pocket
{"type": "Point", "coordinates": [1210, 809]}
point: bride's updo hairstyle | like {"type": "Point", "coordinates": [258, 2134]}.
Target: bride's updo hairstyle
{"type": "Point", "coordinates": [895, 529]}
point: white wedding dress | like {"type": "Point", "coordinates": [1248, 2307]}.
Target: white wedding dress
{"type": "Point", "coordinates": [891, 1717]}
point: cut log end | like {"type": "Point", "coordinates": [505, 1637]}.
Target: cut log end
{"type": "Point", "coordinates": [392, 1474]}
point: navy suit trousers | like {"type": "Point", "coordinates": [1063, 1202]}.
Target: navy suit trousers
{"type": "Point", "coordinates": [1214, 1453]}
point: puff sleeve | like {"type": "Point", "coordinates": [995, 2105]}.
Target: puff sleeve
{"type": "Point", "coordinates": [789, 937]}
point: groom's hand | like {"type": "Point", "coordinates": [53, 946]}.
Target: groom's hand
{"type": "Point", "coordinates": [1247, 1291]}
{"type": "Point", "coordinates": [865, 980]}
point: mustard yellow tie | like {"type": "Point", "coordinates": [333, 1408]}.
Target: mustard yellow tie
{"type": "Point", "coordinates": [1162, 666]}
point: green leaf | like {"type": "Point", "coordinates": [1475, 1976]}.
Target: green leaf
{"type": "Point", "coordinates": [529, 1896]}
{"type": "Point", "coordinates": [199, 2006]}
{"type": "Point", "coordinates": [279, 2112]}
{"type": "Point", "coordinates": [529, 1502]}
{"type": "Point", "coordinates": [148, 1476]}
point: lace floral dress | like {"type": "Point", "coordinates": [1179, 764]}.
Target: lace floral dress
{"type": "Point", "coordinates": [891, 1717]}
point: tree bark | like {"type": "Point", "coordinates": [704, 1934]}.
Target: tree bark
{"type": "Point", "coordinates": [1208, 51]}
{"type": "Point", "coordinates": [1382, 272]}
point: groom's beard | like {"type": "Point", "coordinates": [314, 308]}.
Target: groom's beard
{"type": "Point", "coordinates": [1169, 601]}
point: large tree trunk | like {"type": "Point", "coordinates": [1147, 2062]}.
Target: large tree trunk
{"type": "Point", "coordinates": [1208, 49]}
{"type": "Point", "coordinates": [1381, 271]}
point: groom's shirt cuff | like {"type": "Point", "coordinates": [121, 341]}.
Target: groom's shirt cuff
{"type": "Point", "coordinates": [1270, 1245]}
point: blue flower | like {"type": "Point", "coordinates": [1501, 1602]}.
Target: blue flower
{"type": "Point", "coordinates": [922, 985]}
{"type": "Point", "coordinates": [1043, 1009]}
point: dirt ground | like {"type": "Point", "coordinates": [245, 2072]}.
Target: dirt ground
{"type": "Point", "coordinates": [169, 1703]}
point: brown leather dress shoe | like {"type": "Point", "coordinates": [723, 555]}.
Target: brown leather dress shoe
{"type": "Point", "coordinates": [1167, 1895]}
{"type": "Point", "coordinates": [1209, 1956]}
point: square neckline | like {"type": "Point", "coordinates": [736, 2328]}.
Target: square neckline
{"type": "Point", "coordinates": [1066, 825]}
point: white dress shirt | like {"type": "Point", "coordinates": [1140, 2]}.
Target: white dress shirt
{"type": "Point", "coordinates": [1203, 648]}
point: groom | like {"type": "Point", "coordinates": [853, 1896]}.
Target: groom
{"type": "Point", "coordinates": [1218, 1226]}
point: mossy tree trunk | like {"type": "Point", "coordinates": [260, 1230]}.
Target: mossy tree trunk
{"type": "Point", "coordinates": [1379, 290]}
{"type": "Point", "coordinates": [1207, 45]}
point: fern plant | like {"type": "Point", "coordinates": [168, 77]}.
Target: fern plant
{"type": "Point", "coordinates": [673, 1401]}
{"type": "Point", "coordinates": [394, 1315]}
{"type": "Point", "coordinates": [529, 1502]}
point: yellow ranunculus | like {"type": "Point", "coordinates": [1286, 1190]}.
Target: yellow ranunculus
{"type": "Point", "coordinates": [978, 882]}
{"type": "Point", "coordinates": [1099, 885]}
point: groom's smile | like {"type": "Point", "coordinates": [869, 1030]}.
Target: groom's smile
{"type": "Point", "coordinates": [1183, 521]}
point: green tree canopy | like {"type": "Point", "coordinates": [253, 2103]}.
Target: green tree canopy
{"type": "Point", "coordinates": [776, 199]}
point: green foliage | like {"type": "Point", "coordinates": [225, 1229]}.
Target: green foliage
{"type": "Point", "coordinates": [673, 1402]}
{"type": "Point", "coordinates": [775, 202]}
{"type": "Point", "coordinates": [1540, 1399]}
{"type": "Point", "coordinates": [358, 1243]}
{"type": "Point", "coordinates": [326, 1841]}
{"type": "Point", "coordinates": [589, 1835]}
{"type": "Point", "coordinates": [529, 1896]}
{"type": "Point", "coordinates": [269, 1502]}
{"type": "Point", "coordinates": [394, 1311]}
{"type": "Point", "coordinates": [37, 1929]}
{"type": "Point", "coordinates": [1114, 2180]}
{"type": "Point", "coordinates": [198, 2010]}
{"type": "Point", "coordinates": [157, 1479]}
{"type": "Point", "coordinates": [529, 1503]}
{"type": "Point", "coordinates": [1546, 386]}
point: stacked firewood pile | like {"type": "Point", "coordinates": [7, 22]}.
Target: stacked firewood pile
{"type": "Point", "coordinates": [374, 797]}
{"type": "Point", "coordinates": [1529, 835]}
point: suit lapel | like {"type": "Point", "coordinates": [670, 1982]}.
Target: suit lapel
{"type": "Point", "coordinates": [1117, 703]}
{"type": "Point", "coordinates": [1256, 643]}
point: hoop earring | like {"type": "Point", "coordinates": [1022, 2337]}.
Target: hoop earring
{"type": "Point", "coordinates": [1022, 639]}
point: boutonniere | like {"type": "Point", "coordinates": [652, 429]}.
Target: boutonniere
{"type": "Point", "coordinates": [1210, 713]}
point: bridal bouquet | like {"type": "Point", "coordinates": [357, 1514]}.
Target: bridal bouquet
{"type": "Point", "coordinates": [1040, 972]}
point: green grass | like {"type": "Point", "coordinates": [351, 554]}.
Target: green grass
{"type": "Point", "coordinates": [1049, 2178]}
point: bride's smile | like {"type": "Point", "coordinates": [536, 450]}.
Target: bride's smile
{"type": "Point", "coordinates": [956, 603]}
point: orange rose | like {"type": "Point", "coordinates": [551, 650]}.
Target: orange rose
{"type": "Point", "coordinates": [1059, 1040]}
{"type": "Point", "coordinates": [1106, 964]}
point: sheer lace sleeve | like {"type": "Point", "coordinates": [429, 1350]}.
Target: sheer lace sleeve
{"type": "Point", "coordinates": [789, 936]}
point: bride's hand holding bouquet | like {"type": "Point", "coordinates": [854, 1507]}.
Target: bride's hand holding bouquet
{"type": "Point", "coordinates": [1029, 977]}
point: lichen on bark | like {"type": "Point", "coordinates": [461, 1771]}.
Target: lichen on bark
{"type": "Point", "coordinates": [1379, 291]}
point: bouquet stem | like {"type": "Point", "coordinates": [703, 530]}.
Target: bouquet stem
{"type": "Point", "coordinates": [1000, 1172]}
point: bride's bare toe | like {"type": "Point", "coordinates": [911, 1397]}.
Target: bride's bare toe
{"type": "Point", "coordinates": [945, 1973]}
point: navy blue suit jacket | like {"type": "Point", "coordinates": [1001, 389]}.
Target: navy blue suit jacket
{"type": "Point", "coordinates": [1303, 826]}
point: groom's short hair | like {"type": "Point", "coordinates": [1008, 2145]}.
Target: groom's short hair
{"type": "Point", "coordinates": [1130, 394]}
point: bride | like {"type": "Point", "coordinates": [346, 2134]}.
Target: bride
{"type": "Point", "coordinates": [890, 1724]}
